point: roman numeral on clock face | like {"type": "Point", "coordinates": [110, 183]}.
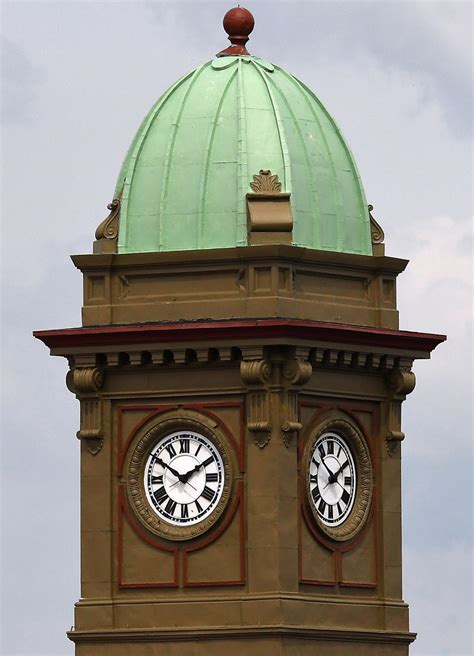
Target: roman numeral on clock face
{"type": "Point", "coordinates": [315, 494]}
{"type": "Point", "coordinates": [160, 495]}
{"type": "Point", "coordinates": [184, 511]}
{"type": "Point", "coordinates": [347, 480]}
{"type": "Point", "coordinates": [212, 478]}
{"type": "Point", "coordinates": [170, 506]}
{"type": "Point", "coordinates": [184, 445]}
{"type": "Point", "coordinates": [330, 447]}
{"type": "Point", "coordinates": [207, 493]}
{"type": "Point", "coordinates": [171, 450]}
{"type": "Point", "coordinates": [345, 497]}
{"type": "Point", "coordinates": [207, 461]}
{"type": "Point", "coordinates": [157, 479]}
{"type": "Point", "coordinates": [321, 450]}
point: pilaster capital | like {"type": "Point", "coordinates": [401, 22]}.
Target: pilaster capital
{"type": "Point", "coordinates": [255, 372]}
{"type": "Point", "coordinates": [401, 381]}
{"type": "Point", "coordinates": [297, 372]}
{"type": "Point", "coordinates": [85, 380]}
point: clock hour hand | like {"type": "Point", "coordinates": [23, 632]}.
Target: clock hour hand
{"type": "Point", "coordinates": [336, 474]}
{"type": "Point", "coordinates": [188, 474]}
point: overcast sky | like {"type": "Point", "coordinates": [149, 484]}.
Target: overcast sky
{"type": "Point", "coordinates": [77, 79]}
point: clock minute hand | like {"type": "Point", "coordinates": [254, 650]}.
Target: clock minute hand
{"type": "Point", "coordinates": [329, 471]}
{"type": "Point", "coordinates": [173, 471]}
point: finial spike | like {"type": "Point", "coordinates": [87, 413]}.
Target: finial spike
{"type": "Point", "coordinates": [238, 23]}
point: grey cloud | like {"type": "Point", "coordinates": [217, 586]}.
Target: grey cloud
{"type": "Point", "coordinates": [20, 79]}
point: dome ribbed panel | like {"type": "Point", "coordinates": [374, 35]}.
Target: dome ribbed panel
{"type": "Point", "coordinates": [189, 168]}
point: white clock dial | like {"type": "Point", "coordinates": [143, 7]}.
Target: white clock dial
{"type": "Point", "coordinates": [184, 478]}
{"type": "Point", "coordinates": [332, 479]}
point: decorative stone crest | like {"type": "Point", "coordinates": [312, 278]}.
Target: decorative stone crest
{"type": "Point", "coordinates": [265, 183]}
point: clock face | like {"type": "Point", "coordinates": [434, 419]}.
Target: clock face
{"type": "Point", "coordinates": [332, 479]}
{"type": "Point", "coordinates": [184, 478]}
{"type": "Point", "coordinates": [338, 479]}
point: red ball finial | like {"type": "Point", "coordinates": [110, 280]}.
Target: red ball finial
{"type": "Point", "coordinates": [238, 23]}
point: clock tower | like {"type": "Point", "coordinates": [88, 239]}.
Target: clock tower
{"type": "Point", "coordinates": [240, 372]}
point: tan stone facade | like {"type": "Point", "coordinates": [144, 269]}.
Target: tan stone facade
{"type": "Point", "coordinates": [265, 345]}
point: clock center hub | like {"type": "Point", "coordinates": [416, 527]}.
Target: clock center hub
{"type": "Point", "coordinates": [191, 485]}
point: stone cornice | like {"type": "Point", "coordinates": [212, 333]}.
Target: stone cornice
{"type": "Point", "coordinates": [282, 330]}
{"type": "Point", "coordinates": [243, 633]}
{"type": "Point", "coordinates": [280, 252]}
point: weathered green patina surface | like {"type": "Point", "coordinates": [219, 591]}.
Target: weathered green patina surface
{"type": "Point", "coordinates": [186, 174]}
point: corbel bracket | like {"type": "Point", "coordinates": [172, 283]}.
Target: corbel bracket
{"type": "Point", "coordinates": [256, 374]}
{"type": "Point", "coordinates": [401, 381]}
{"type": "Point", "coordinates": [295, 373]}
{"type": "Point", "coordinates": [86, 383]}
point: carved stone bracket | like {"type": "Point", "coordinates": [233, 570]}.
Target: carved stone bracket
{"type": "Point", "coordinates": [267, 378]}
{"type": "Point", "coordinates": [401, 382]}
{"type": "Point", "coordinates": [257, 373]}
{"type": "Point", "coordinates": [395, 435]}
{"type": "Point", "coordinates": [86, 383]}
{"type": "Point", "coordinates": [290, 420]}
{"type": "Point", "coordinates": [91, 425]}
{"type": "Point", "coordinates": [295, 373]}
{"type": "Point", "coordinates": [87, 380]}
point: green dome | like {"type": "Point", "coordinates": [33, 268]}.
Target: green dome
{"type": "Point", "coordinates": [186, 175]}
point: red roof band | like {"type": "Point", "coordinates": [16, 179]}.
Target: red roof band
{"type": "Point", "coordinates": [243, 329]}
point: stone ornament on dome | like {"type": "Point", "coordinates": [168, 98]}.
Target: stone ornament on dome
{"type": "Point", "coordinates": [238, 23]}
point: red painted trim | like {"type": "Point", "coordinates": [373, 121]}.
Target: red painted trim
{"type": "Point", "coordinates": [124, 511]}
{"type": "Point", "coordinates": [339, 549]}
{"type": "Point", "coordinates": [157, 333]}
{"type": "Point", "coordinates": [238, 503]}
{"type": "Point", "coordinates": [203, 407]}
{"type": "Point", "coordinates": [122, 450]}
{"type": "Point", "coordinates": [198, 407]}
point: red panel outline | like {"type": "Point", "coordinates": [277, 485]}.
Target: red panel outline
{"type": "Point", "coordinates": [338, 550]}
{"type": "Point", "coordinates": [123, 510]}
{"type": "Point", "coordinates": [198, 407]}
{"type": "Point", "coordinates": [238, 503]}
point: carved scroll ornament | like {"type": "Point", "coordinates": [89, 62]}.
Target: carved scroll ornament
{"type": "Point", "coordinates": [376, 232]}
{"type": "Point", "coordinates": [297, 372]}
{"type": "Point", "coordinates": [109, 227]}
{"type": "Point", "coordinates": [255, 372]}
{"type": "Point", "coordinates": [87, 380]}
{"type": "Point", "coordinates": [401, 382]}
